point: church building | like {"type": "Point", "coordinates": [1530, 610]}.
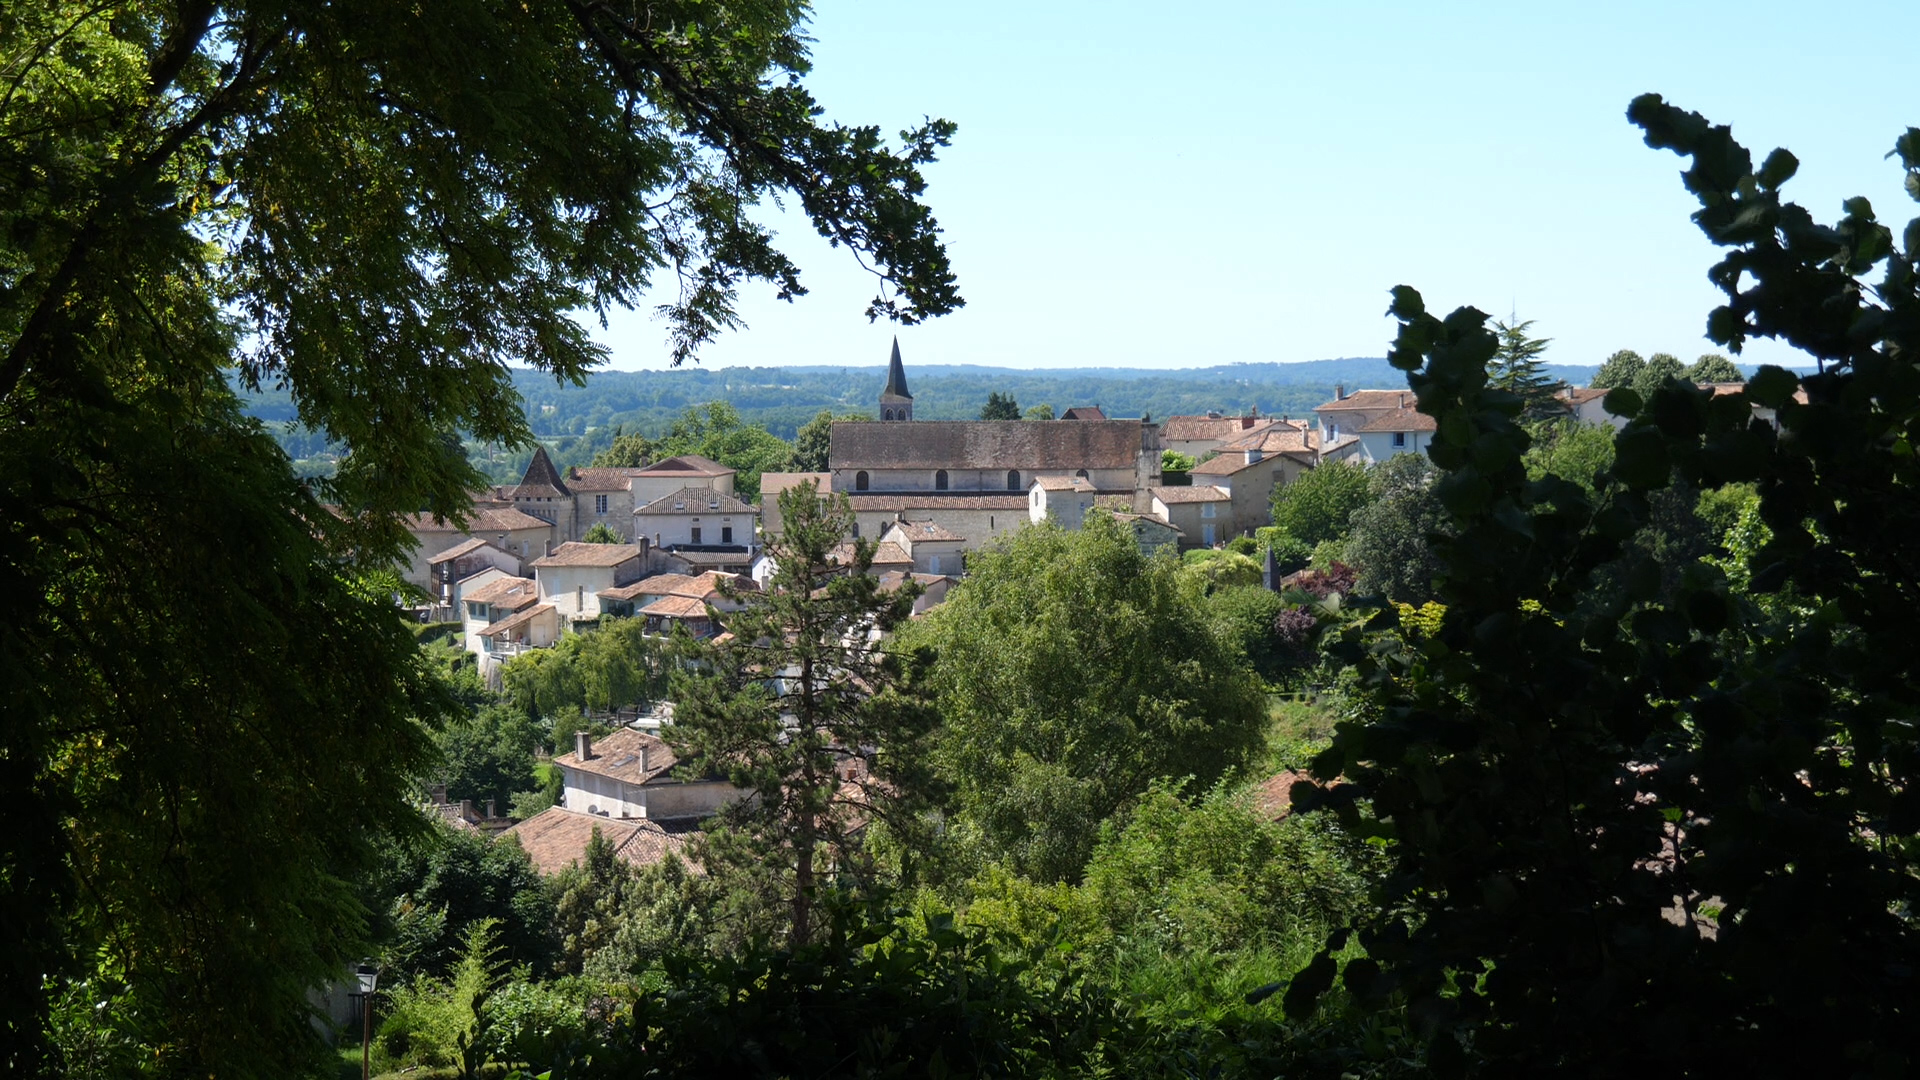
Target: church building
{"type": "Point", "coordinates": [972, 477]}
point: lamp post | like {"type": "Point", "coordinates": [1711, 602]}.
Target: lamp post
{"type": "Point", "coordinates": [369, 975]}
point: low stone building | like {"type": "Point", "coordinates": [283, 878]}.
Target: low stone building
{"type": "Point", "coordinates": [1202, 513]}
{"type": "Point", "coordinates": [574, 575]}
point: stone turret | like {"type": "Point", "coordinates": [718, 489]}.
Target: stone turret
{"type": "Point", "coordinates": [895, 402]}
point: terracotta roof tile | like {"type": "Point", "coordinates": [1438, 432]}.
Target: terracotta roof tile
{"type": "Point", "coordinates": [556, 838]}
{"type": "Point", "coordinates": [1408, 419]}
{"type": "Point", "coordinates": [773, 483]}
{"type": "Point", "coordinates": [1369, 399]}
{"type": "Point", "coordinates": [885, 553]}
{"type": "Point", "coordinates": [1084, 412]}
{"type": "Point", "coordinates": [629, 756]}
{"type": "Point", "coordinates": [1198, 428]}
{"type": "Point", "coordinates": [676, 607]}
{"type": "Point", "coordinates": [1195, 494]}
{"type": "Point", "coordinates": [1063, 483]}
{"type": "Point", "coordinates": [502, 591]}
{"type": "Point", "coordinates": [600, 479]}
{"type": "Point", "coordinates": [482, 520]}
{"type": "Point", "coordinates": [541, 479]}
{"type": "Point", "coordinates": [686, 465]}
{"type": "Point", "coordinates": [697, 500]}
{"type": "Point", "coordinates": [916, 531]}
{"type": "Point", "coordinates": [516, 621]}
{"type": "Point", "coordinates": [457, 551]}
{"type": "Point", "coordinates": [573, 553]}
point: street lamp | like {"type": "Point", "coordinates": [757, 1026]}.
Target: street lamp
{"type": "Point", "coordinates": [369, 975]}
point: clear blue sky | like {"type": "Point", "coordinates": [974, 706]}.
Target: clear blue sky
{"type": "Point", "coordinates": [1157, 186]}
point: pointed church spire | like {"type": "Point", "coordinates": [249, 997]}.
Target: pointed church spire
{"type": "Point", "coordinates": [896, 375]}
{"type": "Point", "coordinates": [895, 402]}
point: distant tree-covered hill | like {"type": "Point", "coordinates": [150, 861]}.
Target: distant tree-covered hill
{"type": "Point", "coordinates": [575, 422]}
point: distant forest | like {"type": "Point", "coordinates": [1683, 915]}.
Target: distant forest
{"type": "Point", "coordinates": [576, 422]}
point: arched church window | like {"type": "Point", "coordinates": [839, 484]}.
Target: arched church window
{"type": "Point", "coordinates": [1013, 479]}
{"type": "Point", "coordinates": [940, 480]}
{"type": "Point", "coordinates": [860, 481]}
{"type": "Point", "coordinates": [886, 414]}
{"type": "Point", "coordinates": [1082, 474]}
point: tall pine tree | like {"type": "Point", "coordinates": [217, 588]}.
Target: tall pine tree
{"type": "Point", "coordinates": [803, 707]}
{"type": "Point", "coordinates": [1517, 369]}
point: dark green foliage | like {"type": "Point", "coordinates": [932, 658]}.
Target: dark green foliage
{"type": "Point", "coordinates": [811, 442]}
{"type": "Point", "coordinates": [1679, 825]}
{"type": "Point", "coordinates": [1316, 508]}
{"type": "Point", "coordinates": [1660, 368]}
{"type": "Point", "coordinates": [1571, 450]}
{"type": "Point", "coordinates": [1000, 407]}
{"type": "Point", "coordinates": [1245, 614]}
{"type": "Point", "coordinates": [601, 533]}
{"type": "Point", "coordinates": [490, 755]}
{"type": "Point", "coordinates": [715, 431]}
{"type": "Point", "coordinates": [1389, 546]}
{"type": "Point", "coordinates": [1621, 369]}
{"type": "Point", "coordinates": [873, 997]}
{"type": "Point", "coordinates": [614, 666]}
{"type": "Point", "coordinates": [1516, 368]}
{"type": "Point", "coordinates": [803, 709]}
{"type": "Point", "coordinates": [1713, 368]}
{"type": "Point", "coordinates": [1071, 671]}
{"type": "Point", "coordinates": [371, 209]}
{"type": "Point", "coordinates": [629, 450]}
{"type": "Point", "coordinates": [430, 891]}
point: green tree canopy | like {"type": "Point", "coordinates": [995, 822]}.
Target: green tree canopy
{"type": "Point", "coordinates": [802, 708]}
{"type": "Point", "coordinates": [1714, 368]}
{"type": "Point", "coordinates": [815, 438]}
{"type": "Point", "coordinates": [1389, 544]}
{"type": "Point", "coordinates": [630, 450]}
{"type": "Point", "coordinates": [1516, 367]}
{"type": "Point", "coordinates": [715, 431]}
{"type": "Point", "coordinates": [1038, 412]}
{"type": "Point", "coordinates": [1000, 407]}
{"type": "Point", "coordinates": [1316, 507]}
{"type": "Point", "coordinates": [1660, 367]}
{"type": "Point", "coordinates": [202, 734]}
{"type": "Point", "coordinates": [1704, 792]}
{"type": "Point", "coordinates": [1620, 369]}
{"type": "Point", "coordinates": [1071, 670]}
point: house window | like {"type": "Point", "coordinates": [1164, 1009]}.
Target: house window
{"type": "Point", "coordinates": [856, 530]}
{"type": "Point", "coordinates": [1206, 510]}
{"type": "Point", "coordinates": [696, 534]}
{"type": "Point", "coordinates": [1013, 479]}
{"type": "Point", "coordinates": [935, 563]}
{"type": "Point", "coordinates": [599, 504]}
{"type": "Point", "coordinates": [940, 480]}
{"type": "Point", "coordinates": [726, 534]}
{"type": "Point", "coordinates": [1206, 535]}
{"type": "Point", "coordinates": [1399, 439]}
{"type": "Point", "coordinates": [860, 481]}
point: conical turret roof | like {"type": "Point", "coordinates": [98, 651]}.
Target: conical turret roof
{"type": "Point", "coordinates": [896, 378]}
{"type": "Point", "coordinates": [542, 480]}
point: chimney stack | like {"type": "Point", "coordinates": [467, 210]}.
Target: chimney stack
{"type": "Point", "coordinates": [490, 810]}
{"type": "Point", "coordinates": [466, 809]}
{"type": "Point", "coordinates": [643, 760]}
{"type": "Point", "coordinates": [1340, 393]}
{"type": "Point", "coordinates": [582, 745]}
{"type": "Point", "coordinates": [439, 794]}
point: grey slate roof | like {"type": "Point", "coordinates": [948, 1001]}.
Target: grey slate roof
{"type": "Point", "coordinates": [986, 444]}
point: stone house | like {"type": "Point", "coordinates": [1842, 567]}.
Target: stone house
{"type": "Point", "coordinates": [1250, 467]}
{"type": "Point", "coordinates": [629, 774]}
{"type": "Point", "coordinates": [504, 527]}
{"type": "Point", "coordinates": [1385, 423]}
{"type": "Point", "coordinates": [1065, 499]}
{"type": "Point", "coordinates": [573, 576]}
{"type": "Point", "coordinates": [1202, 513]}
{"type": "Point", "coordinates": [697, 517]}
{"type": "Point", "coordinates": [933, 548]}
{"type": "Point", "coordinates": [1198, 436]}
{"type": "Point", "coordinates": [459, 563]}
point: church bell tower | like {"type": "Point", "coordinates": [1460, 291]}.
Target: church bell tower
{"type": "Point", "coordinates": [895, 402]}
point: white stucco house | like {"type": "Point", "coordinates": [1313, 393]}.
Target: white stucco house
{"type": "Point", "coordinates": [629, 774]}
{"type": "Point", "coordinates": [572, 577]}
